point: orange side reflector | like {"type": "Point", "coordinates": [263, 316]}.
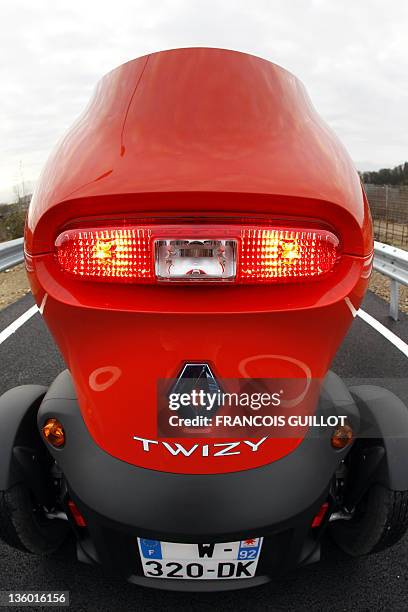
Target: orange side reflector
{"type": "Point", "coordinates": [341, 437]}
{"type": "Point", "coordinates": [54, 433]}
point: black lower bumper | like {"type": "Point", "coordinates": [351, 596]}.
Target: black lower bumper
{"type": "Point", "coordinates": [190, 507]}
{"type": "Point", "coordinates": [117, 551]}
{"type": "Point", "coordinates": [121, 502]}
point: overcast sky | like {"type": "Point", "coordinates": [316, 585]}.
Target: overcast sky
{"type": "Point", "coordinates": [352, 57]}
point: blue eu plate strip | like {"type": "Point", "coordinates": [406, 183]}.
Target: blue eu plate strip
{"type": "Point", "coordinates": [151, 549]}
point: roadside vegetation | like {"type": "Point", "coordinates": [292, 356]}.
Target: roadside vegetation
{"type": "Point", "coordinates": [387, 176]}
{"type": "Point", "coordinates": [12, 219]}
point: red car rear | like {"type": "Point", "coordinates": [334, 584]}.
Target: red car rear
{"type": "Point", "coordinates": [200, 226]}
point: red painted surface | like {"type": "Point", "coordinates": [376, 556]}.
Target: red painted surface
{"type": "Point", "coordinates": [195, 133]}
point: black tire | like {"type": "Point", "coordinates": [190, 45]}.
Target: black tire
{"type": "Point", "coordinates": [380, 520]}
{"type": "Point", "coordinates": [24, 525]}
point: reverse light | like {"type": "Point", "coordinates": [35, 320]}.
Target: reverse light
{"type": "Point", "coordinates": [195, 253]}
{"type": "Point", "coordinates": [194, 259]}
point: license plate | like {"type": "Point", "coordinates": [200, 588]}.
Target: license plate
{"type": "Point", "coordinates": [225, 561]}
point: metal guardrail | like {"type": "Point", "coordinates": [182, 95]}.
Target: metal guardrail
{"type": "Point", "coordinates": [11, 253]}
{"type": "Point", "coordinates": [393, 263]}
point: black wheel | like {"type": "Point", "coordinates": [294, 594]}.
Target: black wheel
{"type": "Point", "coordinates": [26, 526]}
{"type": "Point", "coordinates": [378, 522]}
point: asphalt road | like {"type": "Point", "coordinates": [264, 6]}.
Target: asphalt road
{"type": "Point", "coordinates": [337, 583]}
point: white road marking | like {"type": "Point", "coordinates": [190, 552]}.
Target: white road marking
{"type": "Point", "coordinates": [13, 327]}
{"type": "Point", "coordinates": [384, 331]}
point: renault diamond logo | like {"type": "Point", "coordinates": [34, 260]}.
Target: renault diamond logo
{"type": "Point", "coordinates": [200, 378]}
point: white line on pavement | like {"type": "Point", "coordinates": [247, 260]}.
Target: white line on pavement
{"type": "Point", "coordinates": [13, 327]}
{"type": "Point", "coordinates": [384, 331]}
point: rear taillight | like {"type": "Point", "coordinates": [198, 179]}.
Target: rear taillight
{"type": "Point", "coordinates": [284, 254]}
{"type": "Point", "coordinates": [187, 253]}
{"type": "Point", "coordinates": [112, 254]}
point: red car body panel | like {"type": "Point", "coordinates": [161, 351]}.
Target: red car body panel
{"type": "Point", "coordinates": [195, 133]}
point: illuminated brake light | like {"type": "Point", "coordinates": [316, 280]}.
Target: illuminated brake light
{"type": "Point", "coordinates": [285, 254]}
{"type": "Point", "coordinates": [112, 254]}
{"type": "Point", "coordinates": [191, 253]}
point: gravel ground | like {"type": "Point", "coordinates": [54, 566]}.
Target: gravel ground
{"type": "Point", "coordinates": [14, 284]}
